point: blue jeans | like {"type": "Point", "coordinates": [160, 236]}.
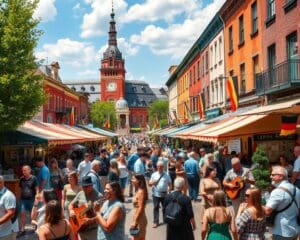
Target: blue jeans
{"type": "Point", "coordinates": [193, 182]}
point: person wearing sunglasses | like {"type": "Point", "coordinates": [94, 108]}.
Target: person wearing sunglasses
{"type": "Point", "coordinates": [285, 197]}
{"type": "Point", "coordinates": [250, 221]}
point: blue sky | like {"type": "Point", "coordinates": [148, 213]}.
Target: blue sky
{"type": "Point", "coordinates": [152, 35]}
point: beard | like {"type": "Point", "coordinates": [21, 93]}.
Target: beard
{"type": "Point", "coordinates": [275, 184]}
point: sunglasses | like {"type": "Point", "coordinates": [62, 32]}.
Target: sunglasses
{"type": "Point", "coordinates": [274, 174]}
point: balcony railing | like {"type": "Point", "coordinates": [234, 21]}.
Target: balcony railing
{"type": "Point", "coordinates": [283, 76]}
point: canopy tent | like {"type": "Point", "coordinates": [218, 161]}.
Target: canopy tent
{"type": "Point", "coordinates": [99, 130]}
{"type": "Point", "coordinates": [235, 126]}
{"type": "Point", "coordinates": [35, 132]}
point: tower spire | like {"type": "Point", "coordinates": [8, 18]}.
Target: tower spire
{"type": "Point", "coordinates": [112, 41]}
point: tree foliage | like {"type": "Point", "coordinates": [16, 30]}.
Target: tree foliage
{"type": "Point", "coordinates": [261, 172]}
{"type": "Point", "coordinates": [21, 91]}
{"type": "Point", "coordinates": [100, 112]}
{"type": "Point", "coordinates": [159, 109]}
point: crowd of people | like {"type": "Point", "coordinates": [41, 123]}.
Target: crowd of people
{"type": "Point", "coordinates": [87, 201]}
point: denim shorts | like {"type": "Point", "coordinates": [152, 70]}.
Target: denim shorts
{"type": "Point", "coordinates": [123, 182]}
{"type": "Point", "coordinates": [26, 204]}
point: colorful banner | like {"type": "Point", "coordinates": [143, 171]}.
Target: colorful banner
{"type": "Point", "coordinates": [288, 125]}
{"type": "Point", "coordinates": [72, 117]}
{"type": "Point", "coordinates": [201, 105]}
{"type": "Point", "coordinates": [232, 89]}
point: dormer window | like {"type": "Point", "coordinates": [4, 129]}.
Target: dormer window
{"type": "Point", "coordinates": [134, 89]}
{"type": "Point", "coordinates": [144, 89]}
{"type": "Point", "coordinates": [92, 88]}
{"type": "Point", "coordinates": [82, 89]}
{"type": "Point", "coordinates": [74, 89]}
{"type": "Point", "coordinates": [110, 62]}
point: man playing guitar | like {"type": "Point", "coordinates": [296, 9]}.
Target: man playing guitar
{"type": "Point", "coordinates": [88, 196]}
{"type": "Point", "coordinates": [246, 178]}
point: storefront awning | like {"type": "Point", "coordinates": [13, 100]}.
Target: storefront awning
{"type": "Point", "coordinates": [287, 107]}
{"type": "Point", "coordinates": [162, 130]}
{"type": "Point", "coordinates": [171, 132]}
{"type": "Point", "coordinates": [235, 126]}
{"type": "Point", "coordinates": [57, 134]}
{"type": "Point", "coordinates": [99, 130]}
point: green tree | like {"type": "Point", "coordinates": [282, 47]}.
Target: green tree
{"type": "Point", "coordinates": [261, 171]}
{"type": "Point", "coordinates": [159, 109]}
{"type": "Point", "coordinates": [100, 112]}
{"type": "Point", "coordinates": [21, 90]}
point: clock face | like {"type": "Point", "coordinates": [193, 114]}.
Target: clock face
{"type": "Point", "coordinates": [111, 86]}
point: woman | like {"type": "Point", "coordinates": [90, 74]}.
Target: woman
{"type": "Point", "coordinates": [217, 220]}
{"type": "Point", "coordinates": [56, 177]}
{"type": "Point", "coordinates": [179, 170]}
{"type": "Point", "coordinates": [56, 227]}
{"type": "Point", "coordinates": [41, 199]}
{"type": "Point", "coordinates": [111, 219]}
{"type": "Point", "coordinates": [208, 185]}
{"type": "Point", "coordinates": [209, 159]}
{"type": "Point", "coordinates": [114, 173]}
{"type": "Point", "coordinates": [139, 203]}
{"type": "Point", "coordinates": [69, 192]}
{"type": "Point", "coordinates": [283, 162]}
{"type": "Point", "coordinates": [250, 220]}
{"type": "Point", "coordinates": [122, 166]}
{"type": "Point", "coordinates": [172, 169]}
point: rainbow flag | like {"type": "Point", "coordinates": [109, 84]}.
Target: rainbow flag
{"type": "Point", "coordinates": [201, 105]}
{"type": "Point", "coordinates": [232, 89]}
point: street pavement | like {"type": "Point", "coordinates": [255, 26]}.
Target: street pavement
{"type": "Point", "coordinates": [158, 233]}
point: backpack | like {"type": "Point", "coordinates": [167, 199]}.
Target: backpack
{"type": "Point", "coordinates": [174, 213]}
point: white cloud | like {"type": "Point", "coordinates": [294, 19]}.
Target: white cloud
{"type": "Point", "coordinates": [176, 39]}
{"type": "Point", "coordinates": [153, 10]}
{"type": "Point", "coordinates": [46, 10]}
{"type": "Point", "coordinates": [77, 10]}
{"type": "Point", "coordinates": [126, 48]}
{"type": "Point", "coordinates": [95, 23]}
{"type": "Point", "coordinates": [69, 52]}
{"type": "Point", "coordinates": [130, 76]}
{"type": "Point", "coordinates": [88, 73]}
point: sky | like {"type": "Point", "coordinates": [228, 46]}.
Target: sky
{"type": "Point", "coordinates": [152, 35]}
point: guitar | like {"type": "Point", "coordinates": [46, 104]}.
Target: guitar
{"type": "Point", "coordinates": [239, 183]}
{"type": "Point", "coordinates": [81, 214]}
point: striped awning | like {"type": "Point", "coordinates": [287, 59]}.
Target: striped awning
{"type": "Point", "coordinates": [99, 130]}
{"type": "Point", "coordinates": [58, 134]}
{"type": "Point", "coordinates": [234, 126]}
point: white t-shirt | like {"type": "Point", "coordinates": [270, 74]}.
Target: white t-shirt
{"type": "Point", "coordinates": [297, 166]}
{"type": "Point", "coordinates": [7, 201]}
{"type": "Point", "coordinates": [123, 170]}
{"type": "Point", "coordinates": [83, 168]}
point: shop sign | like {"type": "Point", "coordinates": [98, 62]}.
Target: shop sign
{"type": "Point", "coordinates": [234, 145]}
{"type": "Point", "coordinates": [273, 137]}
{"type": "Point", "coordinates": [212, 113]}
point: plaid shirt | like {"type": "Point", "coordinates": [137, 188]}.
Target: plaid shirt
{"type": "Point", "coordinates": [249, 228]}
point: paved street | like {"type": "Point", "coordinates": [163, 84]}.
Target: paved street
{"type": "Point", "coordinates": [160, 232]}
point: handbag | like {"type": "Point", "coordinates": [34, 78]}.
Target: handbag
{"type": "Point", "coordinates": [270, 220]}
{"type": "Point", "coordinates": [134, 231]}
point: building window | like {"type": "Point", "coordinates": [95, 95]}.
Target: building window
{"type": "Point", "coordinates": [190, 77]}
{"type": "Point", "coordinates": [271, 8]}
{"type": "Point", "coordinates": [211, 57]}
{"type": "Point", "coordinates": [230, 39]}
{"type": "Point", "coordinates": [254, 18]}
{"type": "Point", "coordinates": [134, 89]}
{"type": "Point", "coordinates": [271, 63]}
{"type": "Point", "coordinates": [215, 59]}
{"type": "Point", "coordinates": [194, 74]}
{"type": "Point", "coordinates": [241, 29]}
{"type": "Point", "coordinates": [255, 67]}
{"type": "Point", "coordinates": [243, 80]}
{"type": "Point", "coordinates": [198, 70]}
{"type": "Point", "coordinates": [82, 89]}
{"type": "Point", "coordinates": [203, 66]}
{"type": "Point", "coordinates": [292, 56]}
{"type": "Point", "coordinates": [74, 89]}
{"type": "Point", "coordinates": [220, 48]}
{"type": "Point", "coordinates": [92, 88]}
{"type": "Point", "coordinates": [206, 61]}
{"type": "Point", "coordinates": [141, 119]}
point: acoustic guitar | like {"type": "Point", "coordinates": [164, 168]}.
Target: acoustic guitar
{"type": "Point", "coordinates": [81, 214]}
{"type": "Point", "coordinates": [239, 183]}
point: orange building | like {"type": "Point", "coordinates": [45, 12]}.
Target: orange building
{"type": "Point", "coordinates": [243, 45]}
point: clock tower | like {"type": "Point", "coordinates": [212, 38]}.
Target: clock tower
{"type": "Point", "coordinates": [112, 70]}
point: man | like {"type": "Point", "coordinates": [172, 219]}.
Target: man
{"type": "Point", "coordinates": [84, 166]}
{"type": "Point", "coordinates": [88, 195]}
{"type": "Point", "coordinates": [161, 183]}
{"type": "Point", "coordinates": [202, 152]}
{"type": "Point", "coordinates": [285, 225]}
{"type": "Point", "coordinates": [245, 174]}
{"type": "Point", "coordinates": [225, 159]}
{"type": "Point", "coordinates": [296, 171]}
{"type": "Point", "coordinates": [67, 170]}
{"type": "Point", "coordinates": [104, 159]}
{"type": "Point", "coordinates": [191, 168]}
{"type": "Point", "coordinates": [185, 231]}
{"type": "Point", "coordinates": [139, 165]}
{"type": "Point", "coordinates": [7, 211]}
{"type": "Point", "coordinates": [155, 155]}
{"type": "Point", "coordinates": [29, 188]}
{"type": "Point", "coordinates": [43, 175]}
{"type": "Point", "coordinates": [96, 167]}
{"type": "Point", "coordinates": [130, 165]}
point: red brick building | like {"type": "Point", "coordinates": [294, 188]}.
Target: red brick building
{"type": "Point", "coordinates": [60, 99]}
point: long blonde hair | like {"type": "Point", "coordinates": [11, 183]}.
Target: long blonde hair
{"type": "Point", "coordinates": [255, 198]}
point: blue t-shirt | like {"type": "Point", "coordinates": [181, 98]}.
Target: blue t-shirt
{"type": "Point", "coordinates": [44, 174]}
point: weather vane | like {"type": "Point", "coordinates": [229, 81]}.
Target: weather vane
{"type": "Point", "coordinates": [112, 5]}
